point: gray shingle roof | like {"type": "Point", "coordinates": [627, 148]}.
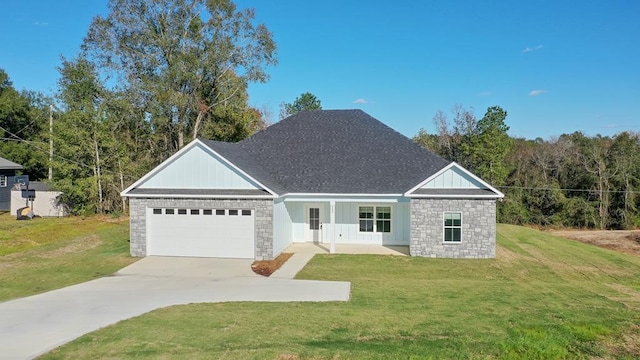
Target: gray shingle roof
{"type": "Point", "coordinates": [334, 152]}
{"type": "Point", "coordinates": [34, 185]}
{"type": "Point", "coordinates": [239, 157]}
{"type": "Point", "coordinates": [9, 165]}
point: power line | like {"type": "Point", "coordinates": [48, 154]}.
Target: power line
{"type": "Point", "coordinates": [34, 143]}
{"type": "Point", "coordinates": [565, 189]}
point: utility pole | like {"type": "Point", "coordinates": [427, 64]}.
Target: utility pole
{"type": "Point", "coordinates": [50, 142]}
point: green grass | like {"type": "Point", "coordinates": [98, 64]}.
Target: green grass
{"type": "Point", "coordinates": [542, 298]}
{"type": "Point", "coordinates": [49, 253]}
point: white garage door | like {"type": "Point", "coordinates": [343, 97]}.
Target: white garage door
{"type": "Point", "coordinates": [226, 233]}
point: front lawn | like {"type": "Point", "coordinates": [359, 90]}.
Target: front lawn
{"type": "Point", "coordinates": [543, 298]}
{"type": "Point", "coordinates": [44, 254]}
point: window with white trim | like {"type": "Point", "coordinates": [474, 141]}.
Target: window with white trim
{"type": "Point", "coordinates": [375, 219]}
{"type": "Point", "coordinates": [3, 180]}
{"type": "Point", "coordinates": [452, 227]}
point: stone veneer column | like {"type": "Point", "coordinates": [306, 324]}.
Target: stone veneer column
{"type": "Point", "coordinates": [478, 228]}
{"type": "Point", "coordinates": [263, 216]}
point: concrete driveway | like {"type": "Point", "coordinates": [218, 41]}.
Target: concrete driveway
{"type": "Point", "coordinates": [36, 324]}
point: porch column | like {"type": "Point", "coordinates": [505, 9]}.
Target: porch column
{"type": "Point", "coordinates": [332, 220]}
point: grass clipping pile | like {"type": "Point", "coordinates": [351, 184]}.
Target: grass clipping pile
{"type": "Point", "coordinates": [268, 267]}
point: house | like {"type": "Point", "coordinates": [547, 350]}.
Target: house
{"type": "Point", "coordinates": [7, 174]}
{"type": "Point", "coordinates": [46, 201]}
{"type": "Point", "coordinates": [324, 176]}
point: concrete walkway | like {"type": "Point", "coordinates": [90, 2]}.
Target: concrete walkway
{"type": "Point", "coordinates": [303, 252]}
{"type": "Point", "coordinates": [36, 324]}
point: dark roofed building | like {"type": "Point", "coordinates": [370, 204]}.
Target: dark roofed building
{"type": "Point", "coordinates": [7, 174]}
{"type": "Point", "coordinates": [326, 176]}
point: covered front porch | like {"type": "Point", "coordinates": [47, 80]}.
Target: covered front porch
{"type": "Point", "coordinates": [333, 223]}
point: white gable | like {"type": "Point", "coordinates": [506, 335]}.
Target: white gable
{"type": "Point", "coordinates": [197, 168]}
{"type": "Point", "coordinates": [453, 178]}
{"type": "Point", "coordinates": [454, 181]}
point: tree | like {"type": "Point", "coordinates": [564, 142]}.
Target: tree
{"type": "Point", "coordinates": [306, 101]}
{"type": "Point", "coordinates": [81, 135]}
{"type": "Point", "coordinates": [22, 116]}
{"type": "Point", "coordinates": [427, 141]}
{"type": "Point", "coordinates": [625, 154]}
{"type": "Point", "coordinates": [181, 60]}
{"type": "Point", "coordinates": [488, 145]}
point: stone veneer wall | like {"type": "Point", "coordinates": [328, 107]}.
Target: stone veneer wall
{"type": "Point", "coordinates": [478, 228]}
{"type": "Point", "coordinates": [263, 219]}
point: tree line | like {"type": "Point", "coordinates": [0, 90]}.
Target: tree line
{"type": "Point", "coordinates": [572, 180]}
{"type": "Point", "coordinates": [150, 76]}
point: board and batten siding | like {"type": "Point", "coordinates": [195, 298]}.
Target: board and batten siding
{"type": "Point", "coordinates": [282, 226]}
{"type": "Point", "coordinates": [347, 223]}
{"type": "Point", "coordinates": [198, 168]}
{"type": "Point", "coordinates": [453, 178]}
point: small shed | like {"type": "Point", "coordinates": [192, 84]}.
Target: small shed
{"type": "Point", "coordinates": [45, 203]}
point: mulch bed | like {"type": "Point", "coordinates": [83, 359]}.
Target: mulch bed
{"type": "Point", "coordinates": [267, 267]}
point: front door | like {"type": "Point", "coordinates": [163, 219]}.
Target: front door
{"type": "Point", "coordinates": [313, 225]}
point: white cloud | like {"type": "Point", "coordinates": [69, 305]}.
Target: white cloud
{"type": "Point", "coordinates": [485, 93]}
{"type": "Point", "coordinates": [610, 126]}
{"type": "Point", "coordinates": [537, 92]}
{"type": "Point", "coordinates": [38, 23]}
{"type": "Point", "coordinates": [530, 49]}
{"type": "Point", "coordinates": [360, 101]}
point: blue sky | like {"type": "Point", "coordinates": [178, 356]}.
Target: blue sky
{"type": "Point", "coordinates": [555, 66]}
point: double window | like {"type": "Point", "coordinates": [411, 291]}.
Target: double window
{"type": "Point", "coordinates": [452, 227]}
{"type": "Point", "coordinates": [3, 181]}
{"type": "Point", "coordinates": [375, 219]}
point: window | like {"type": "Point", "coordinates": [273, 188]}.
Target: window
{"type": "Point", "coordinates": [157, 211]}
{"type": "Point", "coordinates": [169, 211]}
{"type": "Point", "coordinates": [246, 212]}
{"type": "Point", "coordinates": [3, 180]}
{"type": "Point", "coordinates": [207, 212]}
{"type": "Point", "coordinates": [233, 212]}
{"type": "Point", "coordinates": [195, 212]}
{"type": "Point", "coordinates": [381, 220]}
{"type": "Point", "coordinates": [366, 218]}
{"type": "Point", "coordinates": [314, 218]}
{"type": "Point", "coordinates": [220, 212]}
{"type": "Point", "coordinates": [182, 211]}
{"type": "Point", "coordinates": [452, 227]}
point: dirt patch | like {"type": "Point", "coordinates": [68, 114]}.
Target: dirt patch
{"type": "Point", "coordinates": [626, 241]}
{"type": "Point", "coordinates": [626, 346]}
{"type": "Point", "coordinates": [78, 245]}
{"type": "Point", "coordinates": [268, 267]}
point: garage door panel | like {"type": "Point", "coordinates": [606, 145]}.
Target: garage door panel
{"type": "Point", "coordinates": [201, 235]}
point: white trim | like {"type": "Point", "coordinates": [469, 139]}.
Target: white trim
{"type": "Point", "coordinates": [189, 146]}
{"type": "Point", "coordinates": [445, 196]}
{"type": "Point", "coordinates": [375, 219]}
{"type": "Point", "coordinates": [444, 227]}
{"type": "Point", "coordinates": [4, 180]}
{"type": "Point", "coordinates": [454, 164]}
{"type": "Point", "coordinates": [340, 194]}
{"type": "Point", "coordinates": [307, 220]}
{"type": "Point", "coordinates": [190, 196]}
